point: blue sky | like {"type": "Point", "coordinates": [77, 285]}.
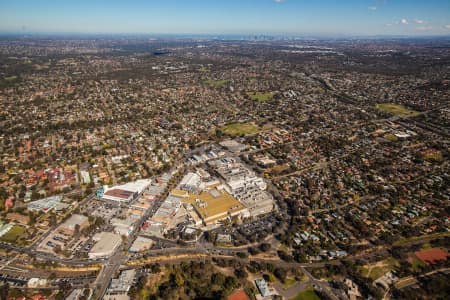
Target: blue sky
{"type": "Point", "coordinates": [292, 17]}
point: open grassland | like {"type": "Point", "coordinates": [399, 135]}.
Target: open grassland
{"type": "Point", "coordinates": [396, 109]}
{"type": "Point", "coordinates": [236, 129]}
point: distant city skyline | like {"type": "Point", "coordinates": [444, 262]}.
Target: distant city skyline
{"type": "Point", "coordinates": [268, 17]}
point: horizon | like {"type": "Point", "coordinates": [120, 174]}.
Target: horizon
{"type": "Point", "coordinates": [323, 18]}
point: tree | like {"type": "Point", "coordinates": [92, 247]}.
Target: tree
{"type": "Point", "coordinates": [77, 229]}
{"type": "Point", "coordinates": [4, 290]}
{"type": "Point", "coordinates": [280, 274]}
{"type": "Point", "coordinates": [240, 273]}
{"type": "Point", "coordinates": [179, 281]}
{"type": "Point", "coordinates": [265, 247]}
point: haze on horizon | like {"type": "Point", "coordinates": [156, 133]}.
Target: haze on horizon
{"type": "Point", "coordinates": [287, 17]}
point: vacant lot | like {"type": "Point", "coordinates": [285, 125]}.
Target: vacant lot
{"type": "Point", "coordinates": [396, 109]}
{"type": "Point", "coordinates": [259, 96]}
{"type": "Point", "coordinates": [236, 129]}
{"type": "Point", "coordinates": [13, 234]}
{"type": "Point", "coordinates": [378, 269]}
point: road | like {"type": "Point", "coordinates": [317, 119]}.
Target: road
{"type": "Point", "coordinates": [321, 285]}
{"type": "Point", "coordinates": [118, 258]}
{"type": "Point", "coordinates": [410, 280]}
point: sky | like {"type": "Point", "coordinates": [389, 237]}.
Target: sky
{"type": "Point", "coordinates": [268, 17]}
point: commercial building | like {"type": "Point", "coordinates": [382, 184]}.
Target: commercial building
{"type": "Point", "coordinates": [120, 286]}
{"type": "Point", "coordinates": [126, 192]}
{"type": "Point", "coordinates": [244, 185]}
{"type": "Point", "coordinates": [119, 195]}
{"type": "Point", "coordinates": [48, 204]}
{"type": "Point", "coordinates": [212, 205]}
{"type": "Point", "coordinates": [141, 244]}
{"type": "Point", "coordinates": [106, 244]}
{"type": "Point", "coordinates": [167, 210]}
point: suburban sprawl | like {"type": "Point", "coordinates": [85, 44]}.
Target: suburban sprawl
{"type": "Point", "coordinates": [210, 168]}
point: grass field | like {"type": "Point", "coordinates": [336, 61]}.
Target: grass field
{"type": "Point", "coordinates": [396, 109]}
{"type": "Point", "coordinates": [307, 294]}
{"type": "Point", "coordinates": [236, 129]}
{"type": "Point", "coordinates": [378, 269]}
{"type": "Point", "coordinates": [216, 83]}
{"type": "Point", "coordinates": [390, 137]}
{"type": "Point", "coordinates": [11, 78]}
{"type": "Point", "coordinates": [289, 282]}
{"type": "Point", "coordinates": [434, 156]}
{"type": "Point", "coordinates": [259, 96]}
{"type": "Point", "coordinates": [13, 234]}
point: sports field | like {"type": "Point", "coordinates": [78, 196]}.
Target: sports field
{"type": "Point", "coordinates": [236, 129]}
{"type": "Point", "coordinates": [13, 234]}
{"type": "Point", "coordinates": [260, 96]}
{"type": "Point", "coordinates": [396, 109]}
